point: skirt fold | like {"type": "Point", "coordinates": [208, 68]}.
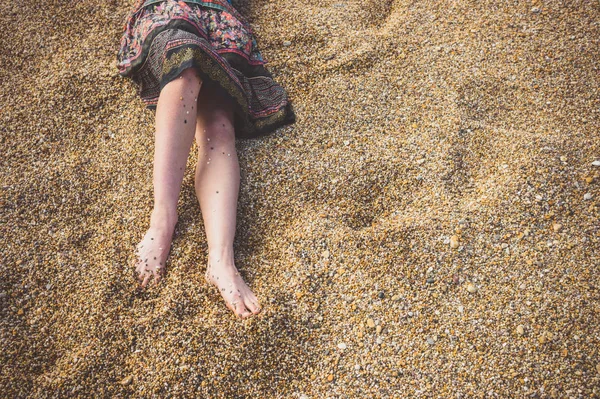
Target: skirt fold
{"type": "Point", "coordinates": [165, 38]}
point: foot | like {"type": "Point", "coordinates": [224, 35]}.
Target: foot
{"type": "Point", "coordinates": [152, 252]}
{"type": "Point", "coordinates": [222, 273]}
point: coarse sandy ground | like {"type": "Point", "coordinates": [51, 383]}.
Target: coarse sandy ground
{"type": "Point", "coordinates": [423, 230]}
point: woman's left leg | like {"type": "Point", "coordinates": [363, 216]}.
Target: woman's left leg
{"type": "Point", "coordinates": [217, 185]}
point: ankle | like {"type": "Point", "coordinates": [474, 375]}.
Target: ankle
{"type": "Point", "coordinates": [221, 255]}
{"type": "Point", "coordinates": [163, 218]}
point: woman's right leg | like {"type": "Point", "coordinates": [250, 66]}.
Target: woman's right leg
{"type": "Point", "coordinates": [217, 187]}
{"type": "Point", "coordinates": [175, 128]}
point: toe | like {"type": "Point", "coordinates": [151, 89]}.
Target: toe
{"type": "Point", "coordinates": [147, 277]}
{"type": "Point", "coordinates": [253, 306]}
{"type": "Point", "coordinates": [140, 271]}
{"type": "Point", "coordinates": [240, 310]}
{"type": "Point", "coordinates": [157, 276]}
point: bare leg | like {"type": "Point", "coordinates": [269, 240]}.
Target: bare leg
{"type": "Point", "coordinates": [175, 126]}
{"type": "Point", "coordinates": [217, 186]}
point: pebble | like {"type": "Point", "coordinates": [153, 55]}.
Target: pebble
{"type": "Point", "coordinates": [370, 323]}
{"type": "Point", "coordinates": [471, 288]}
{"type": "Point", "coordinates": [461, 308]}
{"type": "Point", "coordinates": [127, 380]}
{"type": "Point", "coordinates": [557, 227]}
{"type": "Point", "coordinates": [346, 142]}
{"type": "Point", "coordinates": [598, 368]}
{"type": "Point", "coordinates": [520, 329]}
{"type": "Point", "coordinates": [587, 196]}
{"type": "Point", "coordinates": [287, 43]}
{"type": "Point", "coordinates": [330, 377]}
{"type": "Point", "coordinates": [378, 329]}
{"type": "Point", "coordinates": [454, 242]}
{"type": "Point", "coordinates": [381, 295]}
{"type": "Point", "coordinates": [430, 280]}
{"type": "Point", "coordinates": [430, 341]}
{"type": "Point", "coordinates": [596, 163]}
{"type": "Point", "coordinates": [341, 346]}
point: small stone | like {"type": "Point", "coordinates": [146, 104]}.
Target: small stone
{"type": "Point", "coordinates": [430, 280]}
{"type": "Point", "coordinates": [563, 158]}
{"type": "Point", "coordinates": [357, 367]}
{"type": "Point", "coordinates": [330, 377]}
{"type": "Point", "coordinates": [520, 329]}
{"type": "Point", "coordinates": [589, 179]}
{"type": "Point", "coordinates": [454, 242]}
{"type": "Point", "coordinates": [596, 163]}
{"type": "Point", "coordinates": [461, 308]}
{"type": "Point", "coordinates": [346, 142]}
{"type": "Point", "coordinates": [287, 43]}
{"type": "Point", "coordinates": [370, 323]}
{"type": "Point", "coordinates": [536, 10]}
{"type": "Point", "coordinates": [430, 341]}
{"type": "Point", "coordinates": [557, 227]}
{"type": "Point", "coordinates": [381, 295]}
{"type": "Point", "coordinates": [378, 330]}
{"type": "Point", "coordinates": [471, 288]}
{"type": "Point", "coordinates": [598, 368]}
{"type": "Point", "coordinates": [20, 312]}
{"type": "Point", "coordinates": [587, 197]}
{"type": "Point", "coordinates": [325, 254]}
{"type": "Point", "coordinates": [542, 339]}
{"type": "Point", "coordinates": [127, 380]}
{"type": "Point", "coordinates": [395, 298]}
{"type": "Point", "coordinates": [303, 396]}
{"type": "Point", "coordinates": [299, 295]}
{"type": "Point", "coordinates": [341, 346]}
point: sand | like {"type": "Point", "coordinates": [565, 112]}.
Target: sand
{"type": "Point", "coordinates": [428, 228]}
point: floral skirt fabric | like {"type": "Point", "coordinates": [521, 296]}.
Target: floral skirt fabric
{"type": "Point", "coordinates": [161, 38]}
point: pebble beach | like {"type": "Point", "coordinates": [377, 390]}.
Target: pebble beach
{"type": "Point", "coordinates": [428, 228]}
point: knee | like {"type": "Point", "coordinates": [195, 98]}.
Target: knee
{"type": "Point", "coordinates": [191, 79]}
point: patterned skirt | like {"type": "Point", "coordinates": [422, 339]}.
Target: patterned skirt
{"type": "Point", "coordinates": [161, 38]}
